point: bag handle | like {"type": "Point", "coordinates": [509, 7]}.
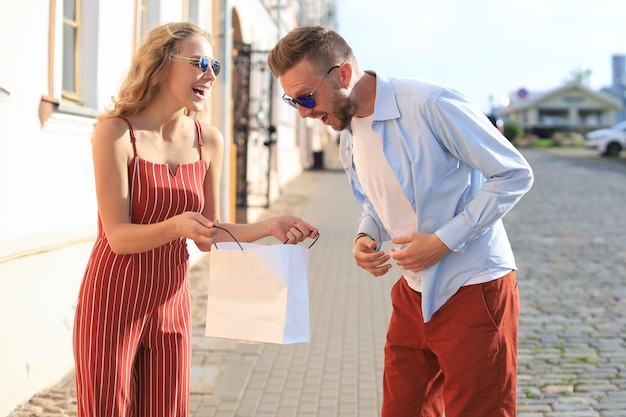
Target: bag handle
{"type": "Point", "coordinates": [231, 235]}
{"type": "Point", "coordinates": [241, 247]}
{"type": "Point", "coordinates": [312, 243]}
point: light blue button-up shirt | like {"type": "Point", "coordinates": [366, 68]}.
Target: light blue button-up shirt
{"type": "Point", "coordinates": [457, 170]}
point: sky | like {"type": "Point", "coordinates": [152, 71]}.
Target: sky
{"type": "Point", "coordinates": [487, 49]}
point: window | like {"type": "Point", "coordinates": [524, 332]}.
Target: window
{"type": "Point", "coordinates": [142, 22]}
{"type": "Point", "coordinates": [72, 63]}
{"type": "Point", "coordinates": [553, 117]}
{"type": "Point", "coordinates": [71, 85]}
{"type": "Point", "coordinates": [590, 117]}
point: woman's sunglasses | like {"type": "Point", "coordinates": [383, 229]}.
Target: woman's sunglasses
{"type": "Point", "coordinates": [203, 62]}
{"type": "Point", "coordinates": [306, 100]}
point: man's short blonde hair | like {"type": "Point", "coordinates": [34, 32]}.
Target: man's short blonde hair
{"type": "Point", "coordinates": [321, 46]}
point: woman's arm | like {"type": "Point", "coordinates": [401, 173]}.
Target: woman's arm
{"type": "Point", "coordinates": [285, 228]}
{"type": "Point", "coordinates": [213, 155]}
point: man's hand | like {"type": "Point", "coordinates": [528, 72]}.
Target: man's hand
{"type": "Point", "coordinates": [422, 250]}
{"type": "Point", "coordinates": [366, 258]}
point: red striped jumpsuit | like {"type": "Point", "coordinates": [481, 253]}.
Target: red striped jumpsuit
{"type": "Point", "coordinates": [132, 330]}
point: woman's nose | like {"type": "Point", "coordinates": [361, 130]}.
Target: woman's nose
{"type": "Point", "coordinates": [209, 75]}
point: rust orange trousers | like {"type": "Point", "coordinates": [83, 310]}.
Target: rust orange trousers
{"type": "Point", "coordinates": [462, 362]}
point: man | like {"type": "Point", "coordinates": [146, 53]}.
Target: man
{"type": "Point", "coordinates": [435, 178]}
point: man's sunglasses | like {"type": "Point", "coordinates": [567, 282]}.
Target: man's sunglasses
{"type": "Point", "coordinates": [203, 62]}
{"type": "Point", "coordinates": [306, 100]}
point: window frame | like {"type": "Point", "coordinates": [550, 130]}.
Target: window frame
{"type": "Point", "coordinates": [76, 96]}
{"type": "Point", "coordinates": [141, 22]}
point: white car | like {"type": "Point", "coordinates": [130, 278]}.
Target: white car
{"type": "Point", "coordinates": [608, 142]}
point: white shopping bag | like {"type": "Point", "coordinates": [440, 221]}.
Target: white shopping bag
{"type": "Point", "coordinates": [258, 293]}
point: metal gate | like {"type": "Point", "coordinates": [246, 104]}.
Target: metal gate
{"type": "Point", "coordinates": [253, 132]}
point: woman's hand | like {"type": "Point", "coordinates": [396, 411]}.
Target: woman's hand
{"type": "Point", "coordinates": [291, 229]}
{"type": "Point", "coordinates": [196, 227]}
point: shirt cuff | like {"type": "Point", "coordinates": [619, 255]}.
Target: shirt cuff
{"type": "Point", "coordinates": [455, 234]}
{"type": "Point", "coordinates": [370, 228]}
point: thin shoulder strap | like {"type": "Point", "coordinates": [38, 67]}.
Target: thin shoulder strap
{"type": "Point", "coordinates": [199, 134]}
{"type": "Point", "coordinates": [132, 134]}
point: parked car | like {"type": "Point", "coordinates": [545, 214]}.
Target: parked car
{"type": "Point", "coordinates": [608, 142]}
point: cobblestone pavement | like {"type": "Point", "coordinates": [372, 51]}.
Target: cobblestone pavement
{"type": "Point", "coordinates": [568, 236]}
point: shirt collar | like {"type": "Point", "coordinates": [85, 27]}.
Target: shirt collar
{"type": "Point", "coordinates": [385, 104]}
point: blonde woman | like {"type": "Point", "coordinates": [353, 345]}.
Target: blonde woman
{"type": "Point", "coordinates": [157, 174]}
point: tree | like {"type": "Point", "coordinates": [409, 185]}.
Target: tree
{"type": "Point", "coordinates": [579, 76]}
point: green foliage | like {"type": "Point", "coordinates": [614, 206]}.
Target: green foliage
{"type": "Point", "coordinates": [544, 143]}
{"type": "Point", "coordinates": [579, 76]}
{"type": "Point", "coordinates": [512, 130]}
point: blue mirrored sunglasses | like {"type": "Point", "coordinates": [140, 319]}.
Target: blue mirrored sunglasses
{"type": "Point", "coordinates": [203, 62]}
{"type": "Point", "coordinates": [306, 100]}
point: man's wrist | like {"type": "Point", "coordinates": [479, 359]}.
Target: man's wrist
{"type": "Point", "coordinates": [360, 235]}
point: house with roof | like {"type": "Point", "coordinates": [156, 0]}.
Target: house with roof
{"type": "Point", "coordinates": [572, 107]}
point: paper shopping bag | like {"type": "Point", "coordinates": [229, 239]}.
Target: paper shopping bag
{"type": "Point", "coordinates": [258, 293]}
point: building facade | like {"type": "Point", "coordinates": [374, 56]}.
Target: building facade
{"type": "Point", "coordinates": [569, 108]}
{"type": "Point", "coordinates": [572, 107]}
{"type": "Point", "coordinates": [62, 62]}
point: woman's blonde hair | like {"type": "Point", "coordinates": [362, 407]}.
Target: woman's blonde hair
{"type": "Point", "coordinates": [149, 66]}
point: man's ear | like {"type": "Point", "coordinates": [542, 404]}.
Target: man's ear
{"type": "Point", "coordinates": [345, 72]}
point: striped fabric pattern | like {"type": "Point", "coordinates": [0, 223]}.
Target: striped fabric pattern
{"type": "Point", "coordinates": [132, 330]}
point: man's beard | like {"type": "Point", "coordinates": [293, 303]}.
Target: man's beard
{"type": "Point", "coordinates": [344, 109]}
